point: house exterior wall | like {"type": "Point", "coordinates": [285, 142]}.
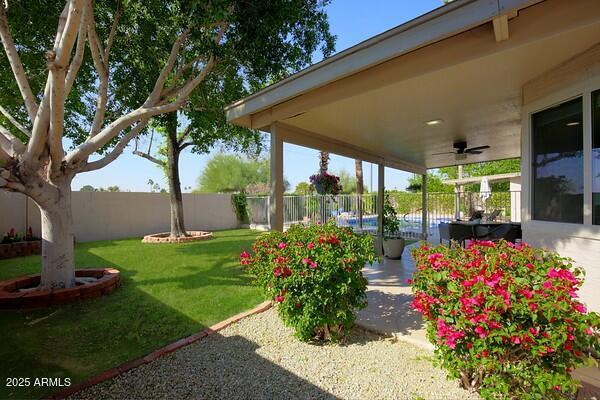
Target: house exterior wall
{"type": "Point", "coordinates": [581, 242]}
{"type": "Point", "coordinates": [108, 216]}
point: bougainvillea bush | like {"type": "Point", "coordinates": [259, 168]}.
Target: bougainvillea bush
{"type": "Point", "coordinates": [313, 275]}
{"type": "Point", "coordinates": [505, 319]}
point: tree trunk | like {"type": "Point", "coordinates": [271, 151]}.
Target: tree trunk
{"type": "Point", "coordinates": [58, 259]}
{"type": "Point", "coordinates": [359, 190]}
{"type": "Point", "coordinates": [176, 198]}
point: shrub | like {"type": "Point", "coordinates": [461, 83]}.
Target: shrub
{"type": "Point", "coordinates": [239, 202]}
{"type": "Point", "coordinates": [504, 318]}
{"type": "Point", "coordinates": [313, 275]}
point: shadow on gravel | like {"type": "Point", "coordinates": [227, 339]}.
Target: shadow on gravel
{"type": "Point", "coordinates": [217, 367]}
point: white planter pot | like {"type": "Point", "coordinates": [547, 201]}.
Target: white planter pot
{"type": "Point", "coordinates": [393, 247]}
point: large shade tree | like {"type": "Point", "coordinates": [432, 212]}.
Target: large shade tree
{"type": "Point", "coordinates": [80, 69]}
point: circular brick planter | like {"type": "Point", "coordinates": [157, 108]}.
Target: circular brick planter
{"type": "Point", "coordinates": [11, 298]}
{"type": "Point", "coordinates": [165, 237]}
{"type": "Point", "coordinates": [20, 249]}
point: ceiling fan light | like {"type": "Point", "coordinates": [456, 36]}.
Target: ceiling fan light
{"type": "Point", "coordinates": [434, 121]}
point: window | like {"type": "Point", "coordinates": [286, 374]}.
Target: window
{"type": "Point", "coordinates": [558, 163]}
{"type": "Point", "coordinates": [596, 157]}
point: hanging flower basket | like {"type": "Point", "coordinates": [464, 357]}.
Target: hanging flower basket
{"type": "Point", "coordinates": [325, 183]}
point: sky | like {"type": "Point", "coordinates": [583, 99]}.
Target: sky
{"type": "Point", "coordinates": [352, 21]}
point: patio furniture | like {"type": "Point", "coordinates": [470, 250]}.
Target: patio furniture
{"type": "Point", "coordinates": [496, 232]}
{"type": "Point", "coordinates": [455, 232]}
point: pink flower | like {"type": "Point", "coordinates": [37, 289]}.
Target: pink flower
{"type": "Point", "coordinates": [313, 264]}
{"type": "Point", "coordinates": [311, 245]}
{"type": "Point", "coordinates": [515, 339]}
{"type": "Point", "coordinates": [533, 331]}
{"type": "Point", "coordinates": [281, 245]}
{"type": "Point", "coordinates": [529, 266]}
{"type": "Point", "coordinates": [548, 285]}
{"type": "Point", "coordinates": [245, 254]}
{"type": "Point", "coordinates": [409, 281]}
{"type": "Point", "coordinates": [277, 271]}
{"type": "Point", "coordinates": [526, 292]}
{"type": "Point", "coordinates": [532, 307]}
{"type": "Point", "coordinates": [579, 307]}
{"type": "Point", "coordinates": [305, 260]}
{"type": "Point", "coordinates": [480, 330]}
{"type": "Point", "coordinates": [588, 331]}
{"type": "Point", "coordinates": [279, 299]}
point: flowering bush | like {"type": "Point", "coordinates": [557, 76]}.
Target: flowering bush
{"type": "Point", "coordinates": [505, 318]}
{"type": "Point", "coordinates": [13, 237]}
{"type": "Point", "coordinates": [313, 274]}
{"type": "Point", "coordinates": [325, 183]}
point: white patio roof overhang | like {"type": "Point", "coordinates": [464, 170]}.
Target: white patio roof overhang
{"type": "Point", "coordinates": [465, 63]}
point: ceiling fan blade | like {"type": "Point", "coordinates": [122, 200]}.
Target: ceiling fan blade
{"type": "Point", "coordinates": [439, 154]}
{"type": "Point", "coordinates": [473, 152]}
{"type": "Point", "coordinates": [470, 150]}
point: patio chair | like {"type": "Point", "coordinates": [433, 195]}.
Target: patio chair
{"type": "Point", "coordinates": [493, 215]}
{"type": "Point", "coordinates": [507, 232]}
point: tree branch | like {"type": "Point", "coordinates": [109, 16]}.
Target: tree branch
{"type": "Point", "coordinates": [69, 34]}
{"type": "Point", "coordinates": [39, 133]}
{"type": "Point", "coordinates": [148, 157]}
{"type": "Point", "coordinates": [57, 118]}
{"type": "Point", "coordinates": [111, 35]}
{"type": "Point", "coordinates": [102, 70]}
{"type": "Point", "coordinates": [185, 145]}
{"type": "Point", "coordinates": [10, 144]}
{"type": "Point", "coordinates": [164, 73]}
{"type": "Point", "coordinates": [79, 52]}
{"type": "Point", "coordinates": [184, 134]}
{"type": "Point", "coordinates": [16, 65]}
{"type": "Point", "coordinates": [117, 151]}
{"type": "Point", "coordinates": [14, 122]}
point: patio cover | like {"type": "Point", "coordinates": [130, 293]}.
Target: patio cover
{"type": "Point", "coordinates": [465, 64]}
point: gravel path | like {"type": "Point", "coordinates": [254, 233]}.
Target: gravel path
{"type": "Point", "coordinates": [259, 358]}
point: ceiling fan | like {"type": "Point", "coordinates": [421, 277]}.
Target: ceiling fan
{"type": "Point", "coordinates": [461, 150]}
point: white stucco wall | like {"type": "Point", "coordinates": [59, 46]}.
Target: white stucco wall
{"type": "Point", "coordinates": [106, 216]}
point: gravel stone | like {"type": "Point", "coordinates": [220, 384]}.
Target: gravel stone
{"type": "Point", "coordinates": [259, 358]}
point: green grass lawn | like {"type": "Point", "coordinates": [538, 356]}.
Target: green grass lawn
{"type": "Point", "coordinates": [168, 292]}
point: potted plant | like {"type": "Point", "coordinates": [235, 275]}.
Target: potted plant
{"type": "Point", "coordinates": [393, 244]}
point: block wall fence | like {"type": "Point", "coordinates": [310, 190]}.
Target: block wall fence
{"type": "Point", "coordinates": [108, 216]}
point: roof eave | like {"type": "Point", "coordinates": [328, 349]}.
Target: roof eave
{"type": "Point", "coordinates": [451, 19]}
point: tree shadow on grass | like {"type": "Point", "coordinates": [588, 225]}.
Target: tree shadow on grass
{"type": "Point", "coordinates": [83, 339]}
{"type": "Point", "coordinates": [217, 367]}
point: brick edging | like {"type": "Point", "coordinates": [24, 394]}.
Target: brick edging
{"type": "Point", "coordinates": [129, 365]}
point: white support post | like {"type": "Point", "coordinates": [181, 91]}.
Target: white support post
{"type": "Point", "coordinates": [424, 222]}
{"type": "Point", "coordinates": [276, 196]}
{"type": "Point", "coordinates": [380, 199]}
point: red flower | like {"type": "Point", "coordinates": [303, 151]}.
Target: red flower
{"type": "Point", "coordinates": [579, 307]}
{"type": "Point", "coordinates": [279, 299]}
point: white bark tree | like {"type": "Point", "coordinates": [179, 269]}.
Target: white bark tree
{"type": "Point", "coordinates": [39, 167]}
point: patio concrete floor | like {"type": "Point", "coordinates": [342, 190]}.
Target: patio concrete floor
{"type": "Point", "coordinates": [389, 296]}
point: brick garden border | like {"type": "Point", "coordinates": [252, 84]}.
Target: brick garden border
{"type": "Point", "coordinates": [129, 365]}
{"type": "Point", "coordinates": [165, 237]}
{"type": "Point", "coordinates": [20, 249]}
{"type": "Point", "coordinates": [11, 298]}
